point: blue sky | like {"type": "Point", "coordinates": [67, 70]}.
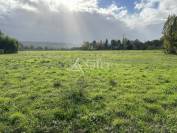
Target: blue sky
{"type": "Point", "coordinates": [129, 4]}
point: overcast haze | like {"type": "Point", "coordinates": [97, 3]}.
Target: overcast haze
{"type": "Point", "coordinates": [74, 21]}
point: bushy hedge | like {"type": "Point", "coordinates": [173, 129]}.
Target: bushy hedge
{"type": "Point", "coordinates": [7, 44]}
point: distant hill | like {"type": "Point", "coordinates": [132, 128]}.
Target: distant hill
{"type": "Point", "coordinates": [50, 45]}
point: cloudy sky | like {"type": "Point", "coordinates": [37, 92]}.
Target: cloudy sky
{"type": "Point", "coordinates": [74, 21]}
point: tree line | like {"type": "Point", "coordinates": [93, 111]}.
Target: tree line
{"type": "Point", "coordinates": [39, 48]}
{"type": "Point", "coordinates": [124, 44]}
{"type": "Point", "coordinates": [168, 42]}
{"type": "Point", "coordinates": [8, 44]}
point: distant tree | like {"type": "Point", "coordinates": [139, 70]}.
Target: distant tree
{"type": "Point", "coordinates": [85, 46]}
{"type": "Point", "coordinates": [125, 43]}
{"type": "Point", "coordinates": [93, 45]}
{"type": "Point", "coordinates": [116, 45]}
{"type": "Point", "coordinates": [1, 34]}
{"type": "Point", "coordinates": [154, 44]}
{"type": "Point", "coordinates": [46, 48]}
{"type": "Point", "coordinates": [7, 44]}
{"type": "Point", "coordinates": [39, 48]}
{"type": "Point", "coordinates": [106, 45]}
{"type": "Point", "coordinates": [170, 34]}
{"type": "Point", "coordinates": [129, 45]}
{"type": "Point", "coordinates": [119, 45]}
{"type": "Point", "coordinates": [100, 45]}
{"type": "Point", "coordinates": [137, 45]}
{"type": "Point", "coordinates": [113, 44]}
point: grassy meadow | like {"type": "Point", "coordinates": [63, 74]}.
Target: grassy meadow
{"type": "Point", "coordinates": [88, 92]}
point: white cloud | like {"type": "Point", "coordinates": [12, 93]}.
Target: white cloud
{"type": "Point", "coordinates": [53, 5]}
{"type": "Point", "coordinates": [150, 12]}
{"type": "Point", "coordinates": [58, 5]}
{"type": "Point", "coordinates": [83, 19]}
{"type": "Point", "coordinates": [146, 4]}
{"type": "Point", "coordinates": [9, 6]}
{"type": "Point", "coordinates": [113, 11]}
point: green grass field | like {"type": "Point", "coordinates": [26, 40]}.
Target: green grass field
{"type": "Point", "coordinates": [88, 92]}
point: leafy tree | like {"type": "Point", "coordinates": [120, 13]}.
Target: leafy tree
{"type": "Point", "coordinates": [119, 45]}
{"type": "Point", "coordinates": [125, 43]}
{"type": "Point", "coordinates": [1, 34]}
{"type": "Point", "coordinates": [7, 44]}
{"type": "Point", "coordinates": [98, 45]}
{"type": "Point", "coordinates": [113, 44]}
{"type": "Point", "coordinates": [106, 45]}
{"type": "Point", "coordinates": [129, 45]}
{"type": "Point", "coordinates": [170, 34]}
{"type": "Point", "coordinates": [85, 46]}
{"type": "Point", "coordinates": [93, 45]}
